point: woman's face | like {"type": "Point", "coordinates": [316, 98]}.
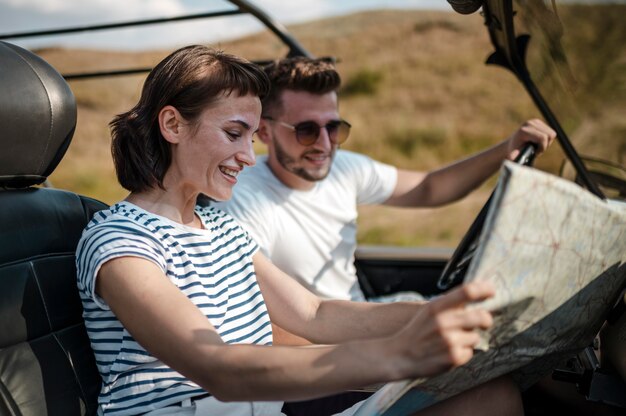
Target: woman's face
{"type": "Point", "coordinates": [216, 148]}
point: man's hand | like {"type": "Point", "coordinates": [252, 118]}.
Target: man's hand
{"type": "Point", "coordinates": [532, 131]}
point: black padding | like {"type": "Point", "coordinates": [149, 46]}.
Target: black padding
{"type": "Point", "coordinates": [47, 366]}
{"type": "Point", "coordinates": [37, 115]}
{"type": "Point", "coordinates": [21, 382]}
{"type": "Point", "coordinates": [22, 218]}
{"type": "Point", "coordinates": [22, 312]}
{"type": "Point", "coordinates": [61, 388]}
{"type": "Point", "coordinates": [60, 296]}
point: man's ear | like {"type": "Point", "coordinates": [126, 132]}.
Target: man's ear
{"type": "Point", "coordinates": [264, 132]}
{"type": "Point", "coordinates": [171, 123]}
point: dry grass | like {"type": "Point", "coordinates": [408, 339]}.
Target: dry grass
{"type": "Point", "coordinates": [434, 101]}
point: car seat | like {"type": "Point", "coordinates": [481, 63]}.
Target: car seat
{"type": "Point", "coordinates": [47, 366]}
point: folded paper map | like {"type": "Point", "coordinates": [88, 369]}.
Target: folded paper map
{"type": "Point", "coordinates": [556, 255]}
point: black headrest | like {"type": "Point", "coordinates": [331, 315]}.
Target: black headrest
{"type": "Point", "coordinates": [37, 117]}
{"type": "Point", "coordinates": [466, 6]}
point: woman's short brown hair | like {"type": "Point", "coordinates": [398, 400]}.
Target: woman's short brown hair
{"type": "Point", "coordinates": [189, 79]}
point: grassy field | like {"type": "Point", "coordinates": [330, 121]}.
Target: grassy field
{"type": "Point", "coordinates": [416, 91]}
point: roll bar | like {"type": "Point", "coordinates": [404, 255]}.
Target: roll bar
{"type": "Point", "coordinates": [510, 53]}
{"type": "Point", "coordinates": [243, 7]}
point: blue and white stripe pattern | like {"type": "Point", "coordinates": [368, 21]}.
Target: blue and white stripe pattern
{"type": "Point", "coordinates": [212, 267]}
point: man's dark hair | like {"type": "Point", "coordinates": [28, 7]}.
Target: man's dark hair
{"type": "Point", "coordinates": [190, 79]}
{"type": "Point", "coordinates": [316, 76]}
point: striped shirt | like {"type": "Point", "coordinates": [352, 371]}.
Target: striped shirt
{"type": "Point", "coordinates": [211, 266]}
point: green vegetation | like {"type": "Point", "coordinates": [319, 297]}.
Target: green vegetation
{"type": "Point", "coordinates": [416, 91]}
{"type": "Point", "coordinates": [407, 142]}
{"type": "Point", "coordinates": [364, 81]}
{"type": "Point", "coordinates": [425, 26]}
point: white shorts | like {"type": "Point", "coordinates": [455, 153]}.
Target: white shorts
{"type": "Point", "coordinates": [210, 406]}
{"type": "Point", "coordinates": [398, 297]}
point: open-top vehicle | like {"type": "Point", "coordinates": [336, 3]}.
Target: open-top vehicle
{"type": "Point", "coordinates": [46, 363]}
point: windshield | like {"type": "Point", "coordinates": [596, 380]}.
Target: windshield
{"type": "Point", "coordinates": [577, 58]}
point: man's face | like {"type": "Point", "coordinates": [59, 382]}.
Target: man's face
{"type": "Point", "coordinates": [295, 164]}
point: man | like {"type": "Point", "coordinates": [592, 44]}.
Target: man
{"type": "Point", "coordinates": [300, 201]}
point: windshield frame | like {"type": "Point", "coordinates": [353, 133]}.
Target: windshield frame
{"type": "Point", "coordinates": [510, 53]}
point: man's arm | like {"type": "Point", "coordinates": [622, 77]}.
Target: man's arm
{"type": "Point", "coordinates": [454, 181]}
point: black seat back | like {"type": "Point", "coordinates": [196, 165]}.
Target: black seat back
{"type": "Point", "coordinates": [46, 363]}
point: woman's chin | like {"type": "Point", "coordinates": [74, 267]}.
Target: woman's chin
{"type": "Point", "coordinates": [221, 196]}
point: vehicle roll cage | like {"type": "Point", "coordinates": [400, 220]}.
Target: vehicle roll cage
{"type": "Point", "coordinates": [243, 7]}
{"type": "Point", "coordinates": [509, 53]}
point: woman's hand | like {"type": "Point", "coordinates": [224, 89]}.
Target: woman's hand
{"type": "Point", "coordinates": [443, 333]}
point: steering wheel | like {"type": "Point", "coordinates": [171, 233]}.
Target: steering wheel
{"type": "Point", "coordinates": [454, 272]}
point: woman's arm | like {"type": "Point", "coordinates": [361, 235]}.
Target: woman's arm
{"type": "Point", "coordinates": [166, 323]}
{"type": "Point", "coordinates": [295, 309]}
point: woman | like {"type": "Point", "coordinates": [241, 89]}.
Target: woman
{"type": "Point", "coordinates": [178, 301]}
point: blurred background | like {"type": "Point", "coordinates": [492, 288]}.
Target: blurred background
{"type": "Point", "coordinates": [415, 86]}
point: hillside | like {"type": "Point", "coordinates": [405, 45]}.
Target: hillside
{"type": "Point", "coordinates": [415, 90]}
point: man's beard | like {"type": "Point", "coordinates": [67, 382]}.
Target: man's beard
{"type": "Point", "coordinates": [289, 164]}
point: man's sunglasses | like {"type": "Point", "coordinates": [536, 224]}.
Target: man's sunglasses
{"type": "Point", "coordinates": [308, 132]}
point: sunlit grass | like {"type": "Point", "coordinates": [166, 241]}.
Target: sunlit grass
{"type": "Point", "coordinates": [364, 81]}
{"type": "Point", "coordinates": [415, 88]}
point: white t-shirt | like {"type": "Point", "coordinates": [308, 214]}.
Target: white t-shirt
{"type": "Point", "coordinates": [311, 235]}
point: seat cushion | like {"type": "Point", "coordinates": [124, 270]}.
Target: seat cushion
{"type": "Point", "coordinates": [46, 363]}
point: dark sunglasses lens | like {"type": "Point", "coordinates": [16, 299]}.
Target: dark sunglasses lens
{"type": "Point", "coordinates": [342, 132]}
{"type": "Point", "coordinates": [332, 129]}
{"type": "Point", "coordinates": [307, 133]}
